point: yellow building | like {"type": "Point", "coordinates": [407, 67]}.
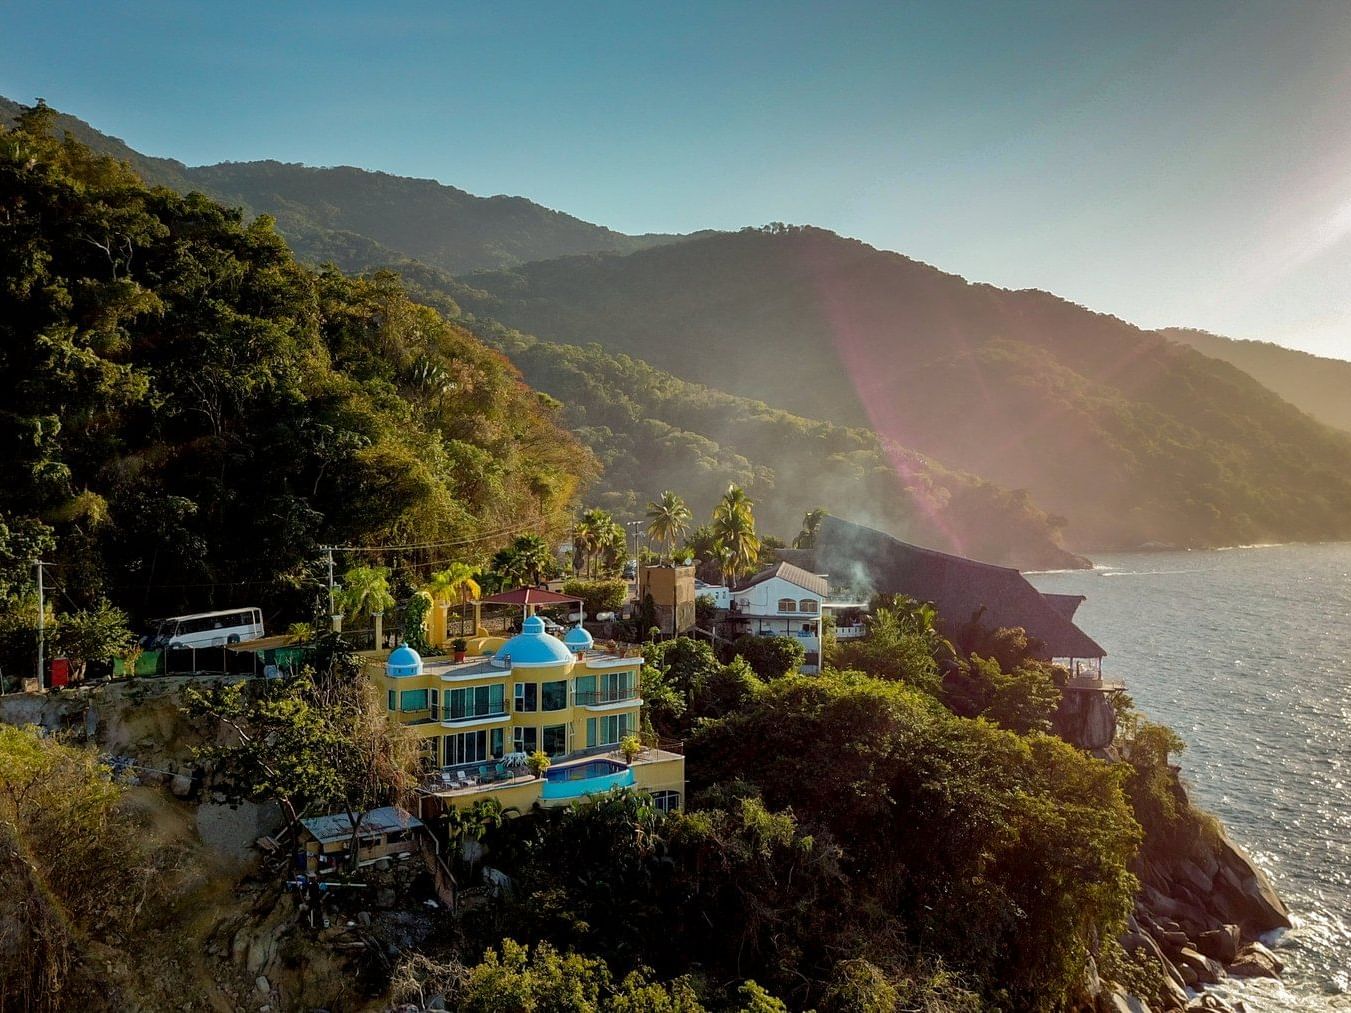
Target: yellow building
{"type": "Point", "coordinates": [478, 719]}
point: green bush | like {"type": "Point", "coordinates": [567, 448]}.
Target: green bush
{"type": "Point", "coordinates": [598, 595]}
{"type": "Point", "coordinates": [770, 657]}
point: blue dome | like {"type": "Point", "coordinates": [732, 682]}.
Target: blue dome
{"type": "Point", "coordinates": [532, 646]}
{"type": "Point", "coordinates": [403, 660]}
{"type": "Point", "coordinates": [578, 639]}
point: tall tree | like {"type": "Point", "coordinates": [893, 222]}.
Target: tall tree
{"type": "Point", "coordinates": [734, 527]}
{"type": "Point", "coordinates": [668, 520]}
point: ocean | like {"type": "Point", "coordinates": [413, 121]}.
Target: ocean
{"type": "Point", "coordinates": [1246, 653]}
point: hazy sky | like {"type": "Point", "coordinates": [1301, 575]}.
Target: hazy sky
{"type": "Point", "coordinates": [1173, 163]}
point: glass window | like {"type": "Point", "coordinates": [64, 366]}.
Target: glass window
{"type": "Point", "coordinates": [525, 696]}
{"type": "Point", "coordinates": [613, 728]}
{"type": "Point", "coordinates": [554, 696]}
{"type": "Point", "coordinates": [478, 702]}
{"type": "Point", "coordinates": [524, 740]}
{"type": "Point", "coordinates": [495, 743]}
{"type": "Point", "coordinates": [555, 739]}
{"type": "Point", "coordinates": [413, 700]}
{"type": "Point", "coordinates": [666, 801]}
{"type": "Point", "coordinates": [391, 699]}
{"type": "Point", "coordinates": [586, 685]}
{"type": "Point", "coordinates": [467, 747]}
{"type": "Point", "coordinates": [590, 732]}
{"type": "Point", "coordinates": [787, 605]}
{"type": "Point", "coordinates": [436, 704]}
{"type": "Point", "coordinates": [807, 605]}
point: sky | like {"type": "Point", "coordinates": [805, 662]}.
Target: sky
{"type": "Point", "coordinates": [1176, 164]}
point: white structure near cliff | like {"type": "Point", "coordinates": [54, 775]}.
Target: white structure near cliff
{"type": "Point", "coordinates": [782, 601]}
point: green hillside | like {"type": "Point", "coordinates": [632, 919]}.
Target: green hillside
{"type": "Point", "coordinates": [651, 431]}
{"type": "Point", "coordinates": [357, 218]}
{"type": "Point", "coordinates": [1316, 384]}
{"type": "Point", "coordinates": [1132, 437]}
{"type": "Point", "coordinates": [187, 413]}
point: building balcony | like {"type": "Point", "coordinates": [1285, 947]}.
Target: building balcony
{"type": "Point", "coordinates": [603, 698]}
{"type": "Point", "coordinates": [471, 720]}
{"type": "Point", "coordinates": [850, 632]}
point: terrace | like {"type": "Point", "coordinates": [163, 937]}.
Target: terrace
{"type": "Point", "coordinates": [581, 773]}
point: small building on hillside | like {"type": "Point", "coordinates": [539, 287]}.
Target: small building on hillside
{"type": "Point", "coordinates": [672, 591]}
{"type": "Point", "coordinates": [325, 843]}
{"type": "Point", "coordinates": [781, 601]}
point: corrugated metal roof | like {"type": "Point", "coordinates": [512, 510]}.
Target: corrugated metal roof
{"type": "Point", "coordinates": [339, 827]}
{"type": "Point", "coordinates": [794, 575]}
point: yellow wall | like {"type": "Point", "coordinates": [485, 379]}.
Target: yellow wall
{"type": "Point", "coordinates": [574, 716]}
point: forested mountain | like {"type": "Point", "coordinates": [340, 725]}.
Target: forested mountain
{"type": "Point", "coordinates": [1132, 437]}
{"type": "Point", "coordinates": [357, 218]}
{"type": "Point", "coordinates": [1314, 383]}
{"type": "Point", "coordinates": [187, 413]}
{"type": "Point", "coordinates": [651, 430]}
{"type": "Point", "coordinates": [1127, 436]}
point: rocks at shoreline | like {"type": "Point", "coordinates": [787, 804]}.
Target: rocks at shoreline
{"type": "Point", "coordinates": [1199, 918]}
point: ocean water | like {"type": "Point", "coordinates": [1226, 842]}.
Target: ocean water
{"type": "Point", "coordinates": [1246, 653]}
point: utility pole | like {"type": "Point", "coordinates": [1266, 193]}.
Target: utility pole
{"type": "Point", "coordinates": [332, 595]}
{"type": "Point", "coordinates": [42, 624]}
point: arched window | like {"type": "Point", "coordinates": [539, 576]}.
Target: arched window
{"type": "Point", "coordinates": [787, 605]}
{"type": "Point", "coordinates": [666, 801]}
{"type": "Point", "coordinates": [807, 605]}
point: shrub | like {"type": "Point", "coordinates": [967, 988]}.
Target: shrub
{"type": "Point", "coordinates": [770, 657]}
{"type": "Point", "coordinates": [598, 595]}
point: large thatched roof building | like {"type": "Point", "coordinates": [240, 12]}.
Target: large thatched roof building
{"type": "Point", "coordinates": [875, 562]}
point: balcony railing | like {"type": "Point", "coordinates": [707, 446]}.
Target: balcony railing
{"type": "Point", "coordinates": [496, 712]}
{"type": "Point", "coordinates": [596, 697]}
{"type": "Point", "coordinates": [850, 632]}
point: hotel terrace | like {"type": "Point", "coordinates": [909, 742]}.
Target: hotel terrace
{"type": "Point", "coordinates": [481, 717]}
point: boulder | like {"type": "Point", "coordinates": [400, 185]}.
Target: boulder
{"type": "Point", "coordinates": [1249, 893]}
{"type": "Point", "coordinates": [1191, 873]}
{"type": "Point", "coordinates": [1118, 1000]}
{"type": "Point", "coordinates": [181, 785]}
{"type": "Point", "coordinates": [1256, 961]}
{"type": "Point", "coordinates": [1208, 971]}
{"type": "Point", "coordinates": [1220, 944]}
{"type": "Point", "coordinates": [263, 984]}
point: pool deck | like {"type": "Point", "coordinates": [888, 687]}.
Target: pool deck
{"type": "Point", "coordinates": [440, 785]}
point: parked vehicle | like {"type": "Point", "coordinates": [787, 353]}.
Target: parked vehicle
{"type": "Point", "coordinates": [208, 629]}
{"type": "Point", "coordinates": [631, 570]}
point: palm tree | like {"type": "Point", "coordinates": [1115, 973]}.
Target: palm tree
{"type": "Point", "coordinates": [365, 592]}
{"type": "Point", "coordinates": [734, 526]}
{"type": "Point", "coordinates": [455, 585]}
{"type": "Point", "coordinates": [734, 500]}
{"type": "Point", "coordinates": [526, 560]}
{"type": "Point", "coordinates": [592, 529]}
{"type": "Point", "coordinates": [739, 543]}
{"type": "Point", "coordinates": [668, 519]}
{"type": "Point", "coordinates": [811, 524]}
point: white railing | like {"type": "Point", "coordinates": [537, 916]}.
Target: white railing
{"type": "Point", "coordinates": [850, 632]}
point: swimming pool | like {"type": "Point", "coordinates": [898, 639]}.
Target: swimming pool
{"type": "Point", "coordinates": [582, 771]}
{"type": "Point", "coordinates": [594, 777]}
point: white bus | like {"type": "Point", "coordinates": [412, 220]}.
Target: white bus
{"type": "Point", "coordinates": [209, 629]}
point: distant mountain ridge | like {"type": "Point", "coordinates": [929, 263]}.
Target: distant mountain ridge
{"type": "Point", "coordinates": [1126, 436]}
{"type": "Point", "coordinates": [1317, 384]}
{"type": "Point", "coordinates": [1130, 436]}
{"type": "Point", "coordinates": [357, 218]}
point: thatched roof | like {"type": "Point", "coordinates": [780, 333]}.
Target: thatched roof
{"type": "Point", "coordinates": [958, 587]}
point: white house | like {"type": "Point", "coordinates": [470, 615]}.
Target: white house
{"type": "Point", "coordinates": [782, 601]}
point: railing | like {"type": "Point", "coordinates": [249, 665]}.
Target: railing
{"type": "Point", "coordinates": [593, 698]}
{"type": "Point", "coordinates": [850, 632]}
{"type": "Point", "coordinates": [446, 715]}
